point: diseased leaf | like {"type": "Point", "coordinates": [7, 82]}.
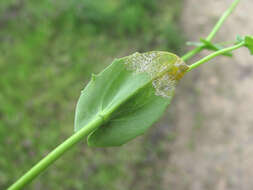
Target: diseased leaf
{"type": "Point", "coordinates": [130, 95]}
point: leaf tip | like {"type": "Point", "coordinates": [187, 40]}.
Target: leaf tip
{"type": "Point", "coordinates": [249, 43]}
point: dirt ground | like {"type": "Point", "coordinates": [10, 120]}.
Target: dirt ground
{"type": "Point", "coordinates": [213, 148]}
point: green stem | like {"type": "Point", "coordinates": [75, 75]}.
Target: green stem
{"type": "Point", "coordinates": [215, 54]}
{"type": "Point", "coordinates": [221, 20]}
{"type": "Point", "coordinates": [55, 154]}
{"type": "Point", "coordinates": [191, 53]}
{"type": "Point", "coordinates": [213, 32]}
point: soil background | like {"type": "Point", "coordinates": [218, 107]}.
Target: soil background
{"type": "Point", "coordinates": [213, 128]}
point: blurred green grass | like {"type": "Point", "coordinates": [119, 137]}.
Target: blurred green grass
{"type": "Point", "coordinates": [48, 50]}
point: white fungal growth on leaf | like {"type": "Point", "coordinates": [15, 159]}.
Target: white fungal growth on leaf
{"type": "Point", "coordinates": [165, 69]}
{"type": "Point", "coordinates": [164, 86]}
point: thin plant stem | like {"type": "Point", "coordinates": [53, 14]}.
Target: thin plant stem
{"type": "Point", "coordinates": [222, 19]}
{"type": "Point", "coordinates": [218, 25]}
{"type": "Point", "coordinates": [191, 53]}
{"type": "Point", "coordinates": [215, 54]}
{"type": "Point", "coordinates": [55, 154]}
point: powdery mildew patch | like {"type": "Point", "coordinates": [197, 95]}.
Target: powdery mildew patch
{"type": "Point", "coordinates": [165, 69]}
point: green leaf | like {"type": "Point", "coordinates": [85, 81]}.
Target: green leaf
{"type": "Point", "coordinates": [239, 39]}
{"type": "Point", "coordinates": [196, 44]}
{"type": "Point", "coordinates": [249, 43]}
{"type": "Point", "coordinates": [130, 95]}
{"type": "Point", "coordinates": [214, 47]}
{"type": "Point", "coordinates": [209, 46]}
